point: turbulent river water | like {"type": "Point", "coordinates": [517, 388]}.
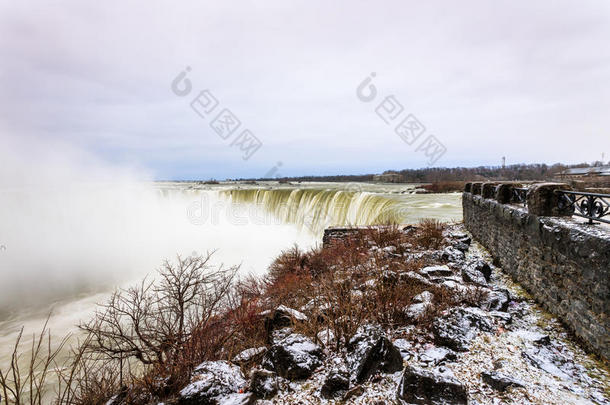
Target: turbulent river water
{"type": "Point", "coordinates": [64, 249]}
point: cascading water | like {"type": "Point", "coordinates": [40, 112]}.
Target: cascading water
{"type": "Point", "coordinates": [320, 208]}
{"type": "Point", "coordinates": [316, 208]}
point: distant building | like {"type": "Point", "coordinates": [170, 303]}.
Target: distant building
{"type": "Point", "coordinates": [389, 178]}
{"type": "Point", "coordinates": [586, 172]}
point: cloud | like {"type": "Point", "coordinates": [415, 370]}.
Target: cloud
{"type": "Point", "coordinates": [515, 79]}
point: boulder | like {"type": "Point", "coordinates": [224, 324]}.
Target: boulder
{"type": "Point", "coordinates": [496, 300]}
{"type": "Point", "coordinates": [474, 269]}
{"type": "Point", "coordinates": [326, 337]}
{"type": "Point", "coordinates": [461, 246]}
{"type": "Point", "coordinates": [282, 317]}
{"type": "Point", "coordinates": [452, 254]}
{"type": "Point", "coordinates": [413, 277]}
{"type": "Point", "coordinates": [425, 296]}
{"type": "Point", "coordinates": [212, 382]}
{"type": "Point", "coordinates": [263, 383]}
{"type": "Point", "coordinates": [460, 237]}
{"type": "Point", "coordinates": [336, 382]}
{"type": "Point", "coordinates": [415, 311]}
{"type": "Point", "coordinates": [421, 303]}
{"type": "Point", "coordinates": [294, 357]}
{"type": "Point", "coordinates": [369, 351]}
{"type": "Point", "coordinates": [471, 275]}
{"type": "Point", "coordinates": [405, 347]}
{"type": "Point", "coordinates": [459, 326]}
{"type": "Point", "coordinates": [500, 381]}
{"type": "Point", "coordinates": [433, 386]}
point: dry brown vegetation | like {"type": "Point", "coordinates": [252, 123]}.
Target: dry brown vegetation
{"type": "Point", "coordinates": [444, 186]}
{"type": "Point", "coordinates": [150, 337]}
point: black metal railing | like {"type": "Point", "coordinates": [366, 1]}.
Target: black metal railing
{"type": "Point", "coordinates": [592, 206]}
{"type": "Point", "coordinates": [520, 195]}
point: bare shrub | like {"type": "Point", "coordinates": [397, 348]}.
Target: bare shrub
{"type": "Point", "coordinates": [150, 322]}
{"type": "Point", "coordinates": [430, 233]}
{"type": "Point", "coordinates": [28, 385]}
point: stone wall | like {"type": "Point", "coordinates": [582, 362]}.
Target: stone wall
{"type": "Point", "coordinates": [563, 263]}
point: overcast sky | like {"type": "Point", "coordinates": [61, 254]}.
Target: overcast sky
{"type": "Point", "coordinates": [522, 79]}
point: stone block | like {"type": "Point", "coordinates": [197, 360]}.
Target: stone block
{"type": "Point", "coordinates": [543, 200]}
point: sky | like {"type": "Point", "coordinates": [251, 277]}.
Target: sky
{"type": "Point", "coordinates": [98, 83]}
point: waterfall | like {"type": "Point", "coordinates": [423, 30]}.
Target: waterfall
{"type": "Point", "coordinates": [317, 209]}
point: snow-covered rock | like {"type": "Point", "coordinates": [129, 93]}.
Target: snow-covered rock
{"type": "Point", "coordinates": [295, 357]}
{"type": "Point", "coordinates": [459, 326]}
{"type": "Point", "coordinates": [431, 386]}
{"type": "Point", "coordinates": [500, 381]}
{"type": "Point", "coordinates": [263, 383]}
{"type": "Point", "coordinates": [212, 382]}
{"type": "Point", "coordinates": [249, 355]}
{"type": "Point", "coordinates": [336, 382]}
{"type": "Point", "coordinates": [437, 355]}
{"type": "Point", "coordinates": [452, 254]}
{"type": "Point", "coordinates": [436, 271]}
{"type": "Point", "coordinates": [369, 350]}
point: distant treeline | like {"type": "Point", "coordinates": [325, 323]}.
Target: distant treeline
{"type": "Point", "coordinates": [441, 174]}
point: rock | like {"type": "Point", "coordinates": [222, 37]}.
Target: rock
{"type": "Point", "coordinates": [497, 300]}
{"type": "Point", "coordinates": [246, 398]}
{"type": "Point", "coordinates": [295, 357]}
{"type": "Point", "coordinates": [389, 249]}
{"type": "Point", "coordinates": [551, 360]}
{"type": "Point", "coordinates": [212, 382]}
{"type": "Point", "coordinates": [419, 386]}
{"type": "Point", "coordinates": [336, 382]}
{"type": "Point", "coordinates": [425, 296]}
{"type": "Point", "coordinates": [263, 383]}
{"type": "Point", "coordinates": [405, 348]}
{"type": "Point", "coordinates": [461, 246]}
{"type": "Point", "coordinates": [436, 271]}
{"type": "Point", "coordinates": [437, 355]}
{"type": "Point", "coordinates": [249, 355]}
{"type": "Point", "coordinates": [282, 316]}
{"type": "Point", "coordinates": [326, 337]}
{"type": "Point", "coordinates": [280, 334]}
{"type": "Point", "coordinates": [500, 381]}
{"type": "Point", "coordinates": [481, 266]}
{"type": "Point", "coordinates": [411, 276]}
{"type": "Point", "coordinates": [415, 311]}
{"type": "Point", "coordinates": [460, 236]}
{"type": "Point", "coordinates": [503, 316]}
{"type": "Point", "coordinates": [369, 350]}
{"type": "Point", "coordinates": [472, 275]}
{"type": "Point", "coordinates": [533, 337]}
{"type": "Point", "coordinates": [389, 276]}
{"type": "Point", "coordinates": [459, 326]}
{"type": "Point", "coordinates": [452, 254]}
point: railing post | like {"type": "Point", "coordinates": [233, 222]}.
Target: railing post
{"type": "Point", "coordinates": [543, 200]}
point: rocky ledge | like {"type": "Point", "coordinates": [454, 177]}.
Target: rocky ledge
{"type": "Point", "coordinates": [500, 348]}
